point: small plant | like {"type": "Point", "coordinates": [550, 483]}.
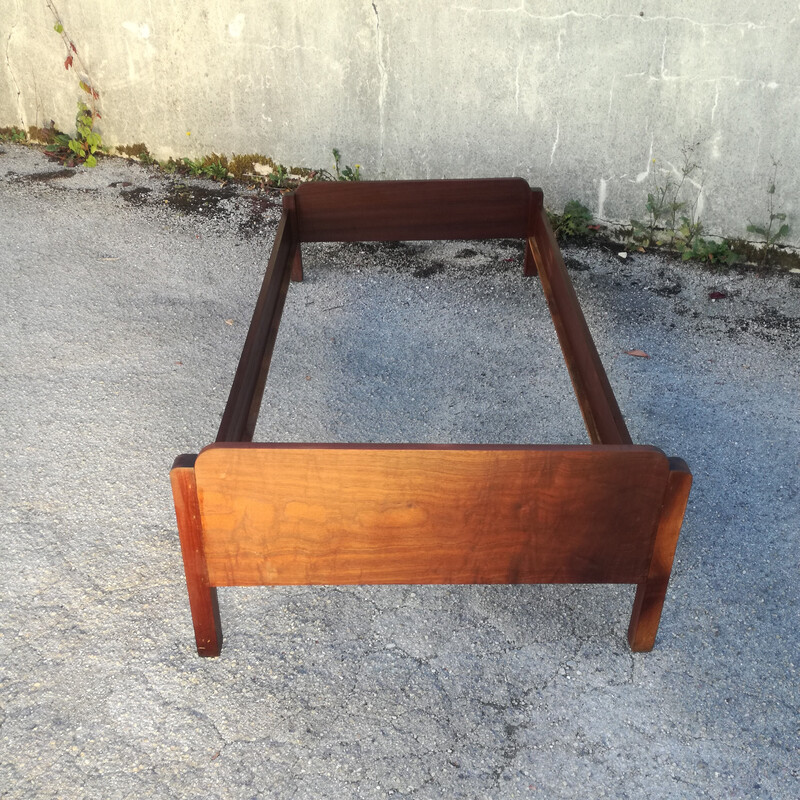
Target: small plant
{"type": "Point", "coordinates": [138, 151]}
{"type": "Point", "coordinates": [672, 217]}
{"type": "Point", "coordinates": [279, 178]}
{"type": "Point", "coordinates": [13, 134]}
{"type": "Point", "coordinates": [216, 170]}
{"type": "Point", "coordinates": [667, 201]}
{"type": "Point", "coordinates": [345, 173]}
{"type": "Point", "coordinates": [81, 148]}
{"type": "Point", "coordinates": [87, 140]}
{"type": "Point", "coordinates": [776, 227]}
{"type": "Point", "coordinates": [662, 204]}
{"type": "Point", "coordinates": [709, 251]}
{"type": "Point", "coordinates": [213, 166]}
{"type": "Point", "coordinates": [574, 221]}
{"type": "Point", "coordinates": [244, 166]}
{"type": "Point", "coordinates": [194, 168]}
{"type": "Point", "coordinates": [687, 234]}
{"type": "Point", "coordinates": [693, 247]}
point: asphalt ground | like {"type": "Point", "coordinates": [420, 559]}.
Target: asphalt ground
{"type": "Point", "coordinates": [126, 296]}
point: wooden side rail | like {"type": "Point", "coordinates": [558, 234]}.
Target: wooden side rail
{"type": "Point", "coordinates": [383, 514]}
{"type": "Point", "coordinates": [241, 411]}
{"type": "Point", "coordinates": [599, 408]}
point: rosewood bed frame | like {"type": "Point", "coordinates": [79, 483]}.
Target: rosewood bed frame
{"type": "Point", "coordinates": [319, 514]}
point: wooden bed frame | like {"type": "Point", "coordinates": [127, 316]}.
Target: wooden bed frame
{"type": "Point", "coordinates": [320, 514]}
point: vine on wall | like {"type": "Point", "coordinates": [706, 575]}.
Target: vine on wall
{"type": "Point", "coordinates": [81, 148]}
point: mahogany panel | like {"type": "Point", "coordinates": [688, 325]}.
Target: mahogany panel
{"type": "Point", "coordinates": [414, 210]}
{"type": "Point", "coordinates": [356, 514]}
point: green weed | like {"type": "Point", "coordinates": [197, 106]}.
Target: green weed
{"type": "Point", "coordinates": [81, 148]}
{"type": "Point", "coordinates": [574, 221]}
{"type": "Point", "coordinates": [345, 173]}
{"type": "Point", "coordinates": [13, 134]}
{"type": "Point", "coordinates": [776, 227]}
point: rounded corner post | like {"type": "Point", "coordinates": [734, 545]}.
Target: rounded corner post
{"type": "Point", "coordinates": [652, 590]}
{"type": "Point", "coordinates": [202, 596]}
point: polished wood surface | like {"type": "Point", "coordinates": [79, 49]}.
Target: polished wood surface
{"type": "Point", "coordinates": [651, 592]}
{"type": "Point", "coordinates": [599, 408]}
{"type": "Point", "coordinates": [281, 514]}
{"type": "Point", "coordinates": [411, 210]}
{"type": "Point", "coordinates": [202, 596]}
{"type": "Point", "coordinates": [258, 514]}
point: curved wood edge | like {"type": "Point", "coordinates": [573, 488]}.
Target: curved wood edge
{"type": "Point", "coordinates": [202, 597]}
{"type": "Point", "coordinates": [651, 592]}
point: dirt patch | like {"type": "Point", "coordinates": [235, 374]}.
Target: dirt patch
{"type": "Point", "coordinates": [137, 196]}
{"type": "Point", "coordinates": [48, 176]}
{"type": "Point", "coordinates": [197, 199]}
{"type": "Point", "coordinates": [429, 270]}
{"type": "Point", "coordinates": [575, 265]}
{"type": "Point", "coordinates": [257, 221]}
{"type": "Point", "coordinates": [771, 325]}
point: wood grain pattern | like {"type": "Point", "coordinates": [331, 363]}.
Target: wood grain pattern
{"type": "Point", "coordinates": [414, 210]}
{"type": "Point", "coordinates": [258, 514]}
{"type": "Point", "coordinates": [282, 514]}
{"type": "Point", "coordinates": [599, 408]}
{"type": "Point", "coordinates": [651, 592]}
{"type": "Point", "coordinates": [202, 596]}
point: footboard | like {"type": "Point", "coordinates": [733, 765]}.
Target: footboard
{"type": "Point", "coordinates": [326, 514]}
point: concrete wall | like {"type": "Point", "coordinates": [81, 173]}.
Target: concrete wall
{"type": "Point", "coordinates": [576, 96]}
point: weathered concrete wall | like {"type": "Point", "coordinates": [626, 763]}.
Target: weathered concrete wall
{"type": "Point", "coordinates": [578, 97]}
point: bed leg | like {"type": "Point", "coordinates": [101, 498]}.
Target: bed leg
{"type": "Point", "coordinates": [529, 269]}
{"type": "Point", "coordinates": [297, 264]}
{"type": "Point", "coordinates": [202, 596]}
{"type": "Point", "coordinates": [650, 592]}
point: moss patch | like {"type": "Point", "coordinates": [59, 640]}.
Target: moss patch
{"type": "Point", "coordinates": [138, 150]}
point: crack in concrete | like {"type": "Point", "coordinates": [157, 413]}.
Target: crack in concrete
{"type": "Point", "coordinates": [20, 111]}
{"type": "Point", "coordinates": [520, 9]}
{"type": "Point", "coordinates": [555, 143]}
{"type": "Point", "coordinates": [384, 82]}
{"type": "Point", "coordinates": [716, 101]}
